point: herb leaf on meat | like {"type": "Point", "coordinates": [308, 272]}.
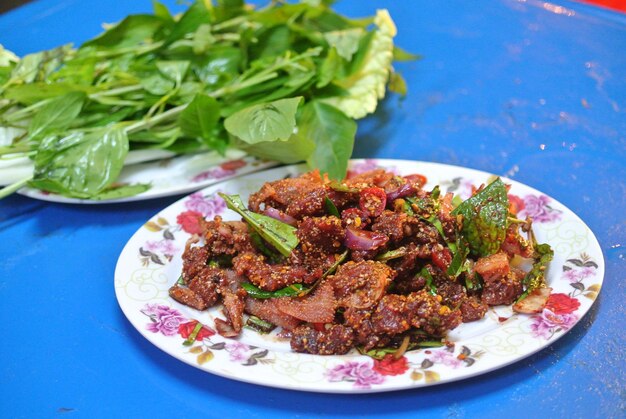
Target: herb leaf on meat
{"type": "Point", "coordinates": [253, 291]}
{"type": "Point", "coordinates": [536, 277]}
{"type": "Point", "coordinates": [485, 218]}
{"type": "Point", "coordinates": [280, 235]}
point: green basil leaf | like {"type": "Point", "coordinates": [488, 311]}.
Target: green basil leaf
{"type": "Point", "coordinates": [203, 39]}
{"type": "Point", "coordinates": [333, 134]}
{"type": "Point", "coordinates": [330, 69]}
{"type": "Point", "coordinates": [331, 208]}
{"type": "Point", "coordinates": [131, 31]}
{"type": "Point", "coordinates": [391, 254]}
{"type": "Point", "coordinates": [280, 235]}
{"type": "Point", "coordinates": [173, 70]}
{"type": "Point", "coordinates": [157, 85]}
{"type": "Point", "coordinates": [101, 119]}
{"type": "Point", "coordinates": [39, 65]}
{"type": "Point", "coordinates": [200, 117]}
{"type": "Point", "coordinates": [218, 65]}
{"type": "Point", "coordinates": [295, 149]}
{"type": "Point", "coordinates": [253, 291]}
{"type": "Point", "coordinates": [30, 93]}
{"type": "Point", "coordinates": [272, 42]}
{"type": "Point", "coordinates": [80, 164]}
{"type": "Point", "coordinates": [485, 218]}
{"type": "Point", "coordinates": [56, 115]}
{"type": "Point", "coordinates": [266, 122]}
{"type": "Point", "coordinates": [161, 11]}
{"type": "Point", "coordinates": [80, 70]}
{"type": "Point", "coordinates": [196, 15]}
{"type": "Point", "coordinates": [271, 255]}
{"type": "Point", "coordinates": [122, 191]}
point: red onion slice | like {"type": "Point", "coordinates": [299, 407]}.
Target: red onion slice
{"type": "Point", "coordinates": [402, 191]}
{"type": "Point", "coordinates": [364, 240]}
{"type": "Point", "coordinates": [280, 216]}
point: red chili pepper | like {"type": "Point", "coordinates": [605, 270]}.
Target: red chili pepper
{"type": "Point", "coordinates": [417, 178]}
{"type": "Point", "coordinates": [372, 201]}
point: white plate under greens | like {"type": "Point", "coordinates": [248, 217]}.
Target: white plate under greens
{"type": "Point", "coordinates": [173, 175]}
{"type": "Point", "coordinates": [151, 262]}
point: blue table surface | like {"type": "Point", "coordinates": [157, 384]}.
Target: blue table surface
{"type": "Point", "coordinates": [531, 90]}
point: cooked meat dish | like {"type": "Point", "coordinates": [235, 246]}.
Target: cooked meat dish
{"type": "Point", "coordinates": [374, 261]}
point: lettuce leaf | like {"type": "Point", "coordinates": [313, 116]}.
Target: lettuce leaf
{"type": "Point", "coordinates": [365, 86]}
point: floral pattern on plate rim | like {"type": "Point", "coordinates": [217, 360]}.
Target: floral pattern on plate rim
{"type": "Point", "coordinates": [162, 249]}
{"type": "Point", "coordinates": [421, 367]}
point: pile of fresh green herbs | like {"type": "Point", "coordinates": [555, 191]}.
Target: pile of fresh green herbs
{"type": "Point", "coordinates": [284, 82]}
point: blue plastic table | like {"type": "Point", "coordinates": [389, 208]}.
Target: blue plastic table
{"type": "Point", "coordinates": [531, 90]}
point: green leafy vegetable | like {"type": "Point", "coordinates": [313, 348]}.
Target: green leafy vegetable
{"type": "Point", "coordinates": [200, 120]}
{"type": "Point", "coordinates": [411, 340]}
{"type": "Point", "coordinates": [430, 286]}
{"type": "Point", "coordinates": [56, 115]}
{"type": "Point", "coordinates": [485, 218]}
{"type": "Point", "coordinates": [459, 259]}
{"type": "Point", "coordinates": [280, 235]}
{"type": "Point", "coordinates": [289, 291]}
{"type": "Point", "coordinates": [365, 84]}
{"type": "Point", "coordinates": [266, 122]}
{"type": "Point", "coordinates": [342, 187]}
{"type": "Point", "coordinates": [536, 277]}
{"type": "Point", "coordinates": [282, 82]}
{"type": "Point", "coordinates": [332, 132]}
{"type": "Point", "coordinates": [331, 208]}
{"type": "Point", "coordinates": [391, 254]}
{"type": "Point", "coordinates": [121, 191]}
{"type": "Point", "coordinates": [83, 163]}
{"type": "Point", "coordinates": [271, 255]}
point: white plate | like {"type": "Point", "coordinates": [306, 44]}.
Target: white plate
{"type": "Point", "coordinates": [172, 176]}
{"type": "Point", "coordinates": [150, 263]}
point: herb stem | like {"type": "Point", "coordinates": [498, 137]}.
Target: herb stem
{"type": "Point", "coordinates": [8, 190]}
{"type": "Point", "coordinates": [15, 149]}
{"type": "Point", "coordinates": [229, 23]}
{"type": "Point", "coordinates": [147, 123]}
{"type": "Point", "coordinates": [133, 49]}
{"type": "Point", "coordinates": [24, 112]}
{"type": "Point", "coordinates": [114, 92]}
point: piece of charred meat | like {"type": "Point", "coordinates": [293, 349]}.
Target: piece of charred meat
{"type": "Point", "coordinates": [336, 340]}
{"type": "Point", "coordinates": [271, 276]}
{"type": "Point", "coordinates": [297, 197]}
